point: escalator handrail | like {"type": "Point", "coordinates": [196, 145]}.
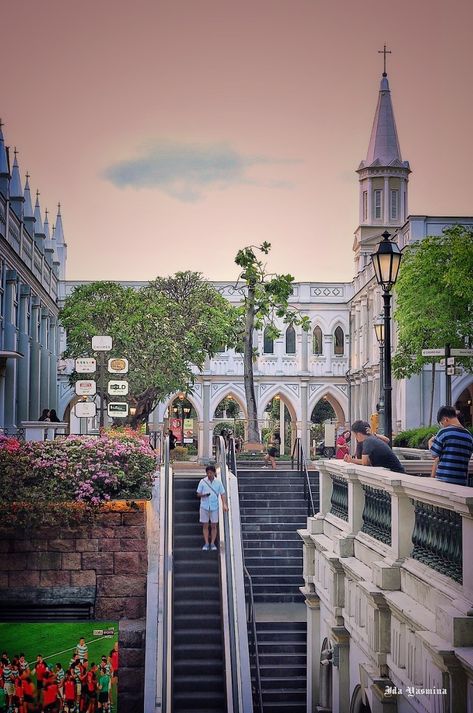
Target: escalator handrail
{"type": "Point", "coordinates": [251, 621]}
{"type": "Point", "coordinates": [163, 659]}
{"type": "Point", "coordinates": [239, 699]}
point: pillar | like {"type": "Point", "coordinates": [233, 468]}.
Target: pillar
{"type": "Point", "coordinates": [313, 650]}
{"type": "Point", "coordinates": [386, 205]}
{"type": "Point", "coordinates": [304, 350]}
{"type": "Point", "coordinates": [35, 380]}
{"type": "Point", "coordinates": [341, 673]}
{"type": "Point", "coordinates": [10, 344]}
{"type": "Point", "coordinates": [53, 364]}
{"type": "Point", "coordinates": [281, 427]}
{"type": "Point", "coordinates": [44, 360]}
{"type": "Point", "coordinates": [206, 451]}
{"type": "Point", "coordinates": [24, 348]}
{"type": "Point", "coordinates": [304, 419]}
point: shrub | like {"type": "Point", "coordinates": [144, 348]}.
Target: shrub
{"type": "Point", "coordinates": [415, 437]}
{"type": "Point", "coordinates": [67, 480]}
{"type": "Point", "coordinates": [180, 453]}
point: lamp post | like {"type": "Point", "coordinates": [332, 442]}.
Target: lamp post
{"type": "Point", "coordinates": [386, 261]}
{"type": "Point", "coordinates": [379, 331]}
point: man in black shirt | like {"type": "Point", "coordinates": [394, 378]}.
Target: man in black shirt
{"type": "Point", "coordinates": [374, 451]}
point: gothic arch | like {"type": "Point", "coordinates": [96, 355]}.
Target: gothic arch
{"type": "Point", "coordinates": [336, 399]}
{"type": "Point", "coordinates": [459, 386]}
{"type": "Point", "coordinates": [286, 396]}
{"type": "Point", "coordinates": [236, 393]}
{"type": "Point", "coordinates": [317, 333]}
{"type": "Point", "coordinates": [193, 400]}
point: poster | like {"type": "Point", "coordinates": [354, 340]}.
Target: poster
{"type": "Point", "coordinates": [188, 430]}
{"type": "Point", "coordinates": [175, 424]}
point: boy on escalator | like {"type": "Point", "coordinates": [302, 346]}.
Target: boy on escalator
{"type": "Point", "coordinates": [209, 490]}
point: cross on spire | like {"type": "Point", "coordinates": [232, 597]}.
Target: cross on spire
{"type": "Point", "coordinates": [384, 52]}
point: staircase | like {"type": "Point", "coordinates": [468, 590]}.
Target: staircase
{"type": "Point", "coordinates": [272, 509]}
{"type": "Point", "coordinates": [198, 656]}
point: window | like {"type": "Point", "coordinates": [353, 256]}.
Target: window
{"type": "Point", "coordinates": [268, 342]}
{"type": "Point", "coordinates": [365, 205]}
{"type": "Point", "coordinates": [394, 205]}
{"type": "Point", "coordinates": [290, 340]}
{"type": "Point", "coordinates": [317, 341]}
{"type": "Point", "coordinates": [339, 339]}
{"type": "Point", "coordinates": [377, 204]}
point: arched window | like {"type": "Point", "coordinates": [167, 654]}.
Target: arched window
{"type": "Point", "coordinates": [268, 342]}
{"type": "Point", "coordinates": [317, 347]}
{"type": "Point", "coordinates": [290, 340]}
{"type": "Point", "coordinates": [339, 339]}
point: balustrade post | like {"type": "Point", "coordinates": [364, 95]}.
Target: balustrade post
{"type": "Point", "coordinates": [402, 524]}
{"type": "Point", "coordinates": [325, 484]}
{"type": "Point", "coordinates": [467, 548]}
{"type": "Point", "coordinates": [356, 501]}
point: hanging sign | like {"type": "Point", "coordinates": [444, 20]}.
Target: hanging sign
{"type": "Point", "coordinates": [86, 387]}
{"type": "Point", "coordinates": [101, 343]}
{"type": "Point", "coordinates": [433, 352]}
{"type": "Point", "coordinates": [175, 424]}
{"type": "Point", "coordinates": [85, 409]}
{"type": "Point", "coordinates": [84, 365]}
{"type": "Point", "coordinates": [118, 366]}
{"type": "Point", "coordinates": [119, 388]}
{"type": "Point", "coordinates": [188, 430]}
{"type": "Point", "coordinates": [117, 409]}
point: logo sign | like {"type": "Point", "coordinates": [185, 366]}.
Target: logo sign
{"type": "Point", "coordinates": [433, 352]}
{"type": "Point", "coordinates": [86, 387]}
{"type": "Point", "coordinates": [101, 344]}
{"type": "Point", "coordinates": [85, 409]}
{"type": "Point", "coordinates": [462, 352]}
{"type": "Point", "coordinates": [85, 366]}
{"type": "Point", "coordinates": [120, 388]}
{"type": "Point", "coordinates": [118, 366]}
{"type": "Point", "coordinates": [117, 409]}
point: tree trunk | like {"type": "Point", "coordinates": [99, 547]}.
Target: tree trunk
{"type": "Point", "coordinates": [432, 391]}
{"type": "Point", "coordinates": [253, 430]}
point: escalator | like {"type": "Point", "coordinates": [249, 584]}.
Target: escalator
{"type": "Point", "coordinates": [198, 672]}
{"type": "Point", "coordinates": [197, 655]}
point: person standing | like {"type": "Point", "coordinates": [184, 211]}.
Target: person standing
{"type": "Point", "coordinates": [209, 490]}
{"type": "Point", "coordinates": [270, 456]}
{"type": "Point", "coordinates": [172, 444]}
{"type": "Point", "coordinates": [451, 448]}
{"type": "Point", "coordinates": [343, 448]}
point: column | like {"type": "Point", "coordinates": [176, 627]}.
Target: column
{"type": "Point", "coordinates": [341, 673]}
{"type": "Point", "coordinates": [304, 420]}
{"type": "Point", "coordinates": [10, 344]}
{"type": "Point", "coordinates": [370, 200]}
{"type": "Point", "coordinates": [313, 650]}
{"type": "Point", "coordinates": [387, 217]}
{"type": "Point", "coordinates": [24, 348]}
{"type": "Point", "coordinates": [35, 380]}
{"type": "Point", "coordinates": [44, 360]}
{"type": "Point", "coordinates": [304, 350]}
{"type": "Point", "coordinates": [206, 451]}
{"type": "Point", "coordinates": [402, 202]}
{"type": "Point", "coordinates": [328, 352]}
{"type": "Point", "coordinates": [53, 363]}
{"type": "Point", "coordinates": [281, 427]}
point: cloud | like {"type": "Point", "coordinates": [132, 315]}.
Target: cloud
{"type": "Point", "coordinates": [186, 171]}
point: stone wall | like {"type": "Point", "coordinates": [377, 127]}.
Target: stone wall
{"type": "Point", "coordinates": [99, 568]}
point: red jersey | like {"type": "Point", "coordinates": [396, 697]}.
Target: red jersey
{"type": "Point", "coordinates": [40, 670]}
{"type": "Point", "coordinates": [19, 688]}
{"type": "Point", "coordinates": [50, 694]}
{"type": "Point", "coordinates": [70, 690]}
{"type": "Point", "coordinates": [28, 688]}
{"type": "Point", "coordinates": [114, 660]}
{"type": "Point", "coordinates": [91, 681]}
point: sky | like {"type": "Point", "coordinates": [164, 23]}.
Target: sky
{"type": "Point", "coordinates": [175, 132]}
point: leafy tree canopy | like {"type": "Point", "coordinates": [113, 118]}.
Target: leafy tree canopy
{"type": "Point", "coordinates": [434, 296]}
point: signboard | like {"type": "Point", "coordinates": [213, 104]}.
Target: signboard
{"type": "Point", "coordinates": [188, 430]}
{"type": "Point", "coordinates": [85, 409]}
{"type": "Point", "coordinates": [86, 387]}
{"type": "Point", "coordinates": [84, 365]}
{"type": "Point", "coordinates": [434, 352]}
{"type": "Point", "coordinates": [118, 366]}
{"type": "Point", "coordinates": [462, 352]}
{"type": "Point", "coordinates": [450, 361]}
{"type": "Point", "coordinates": [175, 424]}
{"type": "Point", "coordinates": [117, 409]}
{"type": "Point", "coordinates": [101, 343]}
{"type": "Point", "coordinates": [118, 388]}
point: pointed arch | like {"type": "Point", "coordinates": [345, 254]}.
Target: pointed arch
{"type": "Point", "coordinates": [193, 400]}
{"type": "Point", "coordinates": [290, 340]}
{"type": "Point", "coordinates": [236, 393]}
{"type": "Point", "coordinates": [317, 341]}
{"type": "Point", "coordinates": [286, 396]}
{"type": "Point", "coordinates": [339, 341]}
{"type": "Point", "coordinates": [268, 342]}
{"type": "Point", "coordinates": [336, 398]}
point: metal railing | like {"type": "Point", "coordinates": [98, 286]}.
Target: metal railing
{"type": "Point", "coordinates": [237, 663]}
{"type": "Point", "coordinates": [299, 460]}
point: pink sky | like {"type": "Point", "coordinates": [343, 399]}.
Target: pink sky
{"type": "Point", "coordinates": [248, 118]}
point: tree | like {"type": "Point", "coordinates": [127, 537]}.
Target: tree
{"type": "Point", "coordinates": [265, 299]}
{"type": "Point", "coordinates": [434, 297]}
{"type": "Point", "coordinates": [166, 330]}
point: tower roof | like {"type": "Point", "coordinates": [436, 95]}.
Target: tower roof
{"type": "Point", "coordinates": [28, 209]}
{"type": "Point", "coordinates": [16, 191]}
{"type": "Point", "coordinates": [4, 171]}
{"type": "Point", "coordinates": [59, 228]}
{"type": "Point", "coordinates": [38, 228]}
{"type": "Point", "coordinates": [384, 149]}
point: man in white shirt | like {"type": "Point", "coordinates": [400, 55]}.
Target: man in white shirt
{"type": "Point", "coordinates": [209, 490]}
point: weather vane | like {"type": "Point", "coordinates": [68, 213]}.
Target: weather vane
{"type": "Point", "coordinates": [384, 52]}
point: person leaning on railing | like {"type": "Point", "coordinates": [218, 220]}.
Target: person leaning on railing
{"type": "Point", "coordinates": [451, 448]}
{"type": "Point", "coordinates": [375, 450]}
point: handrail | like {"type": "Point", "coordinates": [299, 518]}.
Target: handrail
{"type": "Point", "coordinates": [237, 665]}
{"type": "Point", "coordinates": [298, 453]}
{"type": "Point", "coordinates": [251, 620]}
{"type": "Point", "coordinates": [160, 699]}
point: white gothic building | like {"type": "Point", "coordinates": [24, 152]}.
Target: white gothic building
{"type": "Point", "coordinates": [339, 358]}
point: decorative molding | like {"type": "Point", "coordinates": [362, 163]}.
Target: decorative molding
{"type": "Point", "coordinates": [314, 387]}
{"type": "Point", "coordinates": [326, 291]}
{"type": "Point", "coordinates": [264, 387]}
{"type": "Point", "coordinates": [342, 387]}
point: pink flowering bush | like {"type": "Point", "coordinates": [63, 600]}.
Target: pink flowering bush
{"type": "Point", "coordinates": [76, 471]}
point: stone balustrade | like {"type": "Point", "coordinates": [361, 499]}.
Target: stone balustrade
{"type": "Point", "coordinates": [44, 430]}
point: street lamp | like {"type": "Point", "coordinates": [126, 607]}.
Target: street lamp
{"type": "Point", "coordinates": [379, 331]}
{"type": "Point", "coordinates": [386, 261]}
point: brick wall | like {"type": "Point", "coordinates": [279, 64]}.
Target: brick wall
{"type": "Point", "coordinates": [101, 566]}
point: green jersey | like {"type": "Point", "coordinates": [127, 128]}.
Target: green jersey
{"type": "Point", "coordinates": [104, 683]}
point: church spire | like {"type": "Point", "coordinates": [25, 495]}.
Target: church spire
{"type": "Point", "coordinates": [384, 146]}
{"type": "Point", "coordinates": [4, 167]}
{"type": "Point", "coordinates": [27, 196]}
{"type": "Point", "coordinates": [16, 191]}
{"type": "Point", "coordinates": [39, 235]}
